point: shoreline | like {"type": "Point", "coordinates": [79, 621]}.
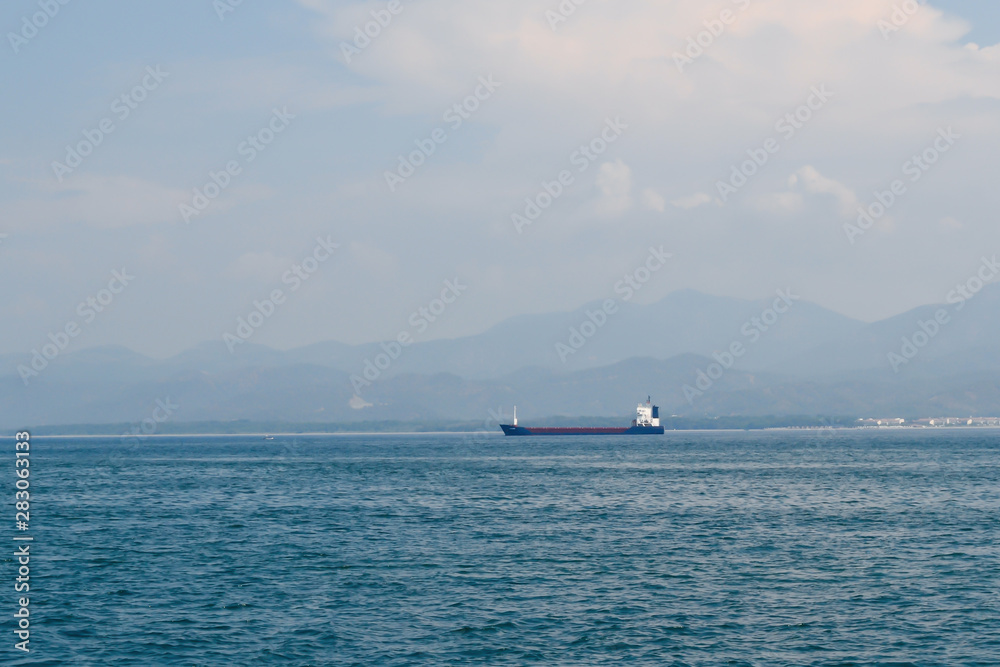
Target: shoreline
{"type": "Point", "coordinates": [497, 433]}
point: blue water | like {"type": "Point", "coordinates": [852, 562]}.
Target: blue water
{"type": "Point", "coordinates": [775, 548]}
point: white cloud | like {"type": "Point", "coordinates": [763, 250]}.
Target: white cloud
{"type": "Point", "coordinates": [691, 201]}
{"type": "Point", "coordinates": [242, 84]}
{"type": "Point", "coordinates": [358, 403]}
{"type": "Point", "coordinates": [258, 266]}
{"type": "Point", "coordinates": [776, 49]}
{"type": "Point", "coordinates": [779, 203]}
{"type": "Point", "coordinates": [614, 180]}
{"type": "Point", "coordinates": [113, 202]}
{"type": "Point", "coordinates": [804, 182]}
{"type": "Point", "coordinates": [813, 182]}
{"type": "Point", "coordinates": [685, 131]}
{"type": "Point", "coordinates": [653, 201]}
{"type": "Point", "coordinates": [374, 260]}
{"type": "Point", "coordinates": [105, 202]}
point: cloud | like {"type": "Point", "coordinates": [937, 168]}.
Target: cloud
{"type": "Point", "coordinates": [374, 260]}
{"type": "Point", "coordinates": [258, 266]}
{"type": "Point", "coordinates": [652, 201]}
{"type": "Point", "coordinates": [358, 403]}
{"type": "Point", "coordinates": [804, 182]}
{"type": "Point", "coordinates": [691, 201]}
{"type": "Point", "coordinates": [778, 47]}
{"type": "Point", "coordinates": [811, 181]}
{"type": "Point", "coordinates": [257, 84]}
{"type": "Point", "coordinates": [105, 202]}
{"type": "Point", "coordinates": [114, 202]}
{"type": "Point", "coordinates": [685, 131]}
{"type": "Point", "coordinates": [780, 203]}
{"type": "Point", "coordinates": [614, 180]}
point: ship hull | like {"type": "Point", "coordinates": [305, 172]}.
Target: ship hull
{"type": "Point", "coordinates": [511, 430]}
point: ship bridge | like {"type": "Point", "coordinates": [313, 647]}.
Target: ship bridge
{"type": "Point", "coordinates": [647, 414]}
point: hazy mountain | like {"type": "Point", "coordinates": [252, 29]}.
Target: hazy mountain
{"type": "Point", "coordinates": [309, 393]}
{"type": "Point", "coordinates": [811, 361]}
{"type": "Point", "coordinates": [683, 322]}
{"type": "Point", "coordinates": [966, 342]}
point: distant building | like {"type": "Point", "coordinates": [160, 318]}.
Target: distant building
{"type": "Point", "coordinates": [958, 421]}
{"type": "Point", "coordinates": [880, 423]}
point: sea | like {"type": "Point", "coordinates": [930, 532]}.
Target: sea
{"type": "Point", "coordinates": [832, 547]}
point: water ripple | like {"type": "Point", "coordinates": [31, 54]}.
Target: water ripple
{"type": "Point", "coordinates": [752, 549]}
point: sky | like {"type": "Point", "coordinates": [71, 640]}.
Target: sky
{"type": "Point", "coordinates": [531, 151]}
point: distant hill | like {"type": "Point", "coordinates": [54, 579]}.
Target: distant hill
{"type": "Point", "coordinates": [967, 343]}
{"type": "Point", "coordinates": [811, 361]}
{"type": "Point", "coordinates": [683, 322]}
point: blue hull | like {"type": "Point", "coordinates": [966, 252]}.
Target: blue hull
{"type": "Point", "coordinates": [509, 429]}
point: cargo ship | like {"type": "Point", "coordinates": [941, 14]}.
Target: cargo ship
{"type": "Point", "coordinates": [646, 422]}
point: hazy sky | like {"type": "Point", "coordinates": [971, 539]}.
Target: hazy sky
{"type": "Point", "coordinates": [199, 81]}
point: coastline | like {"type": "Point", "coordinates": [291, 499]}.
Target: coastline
{"type": "Point", "coordinates": [52, 432]}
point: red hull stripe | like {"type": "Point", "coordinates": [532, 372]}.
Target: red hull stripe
{"type": "Point", "coordinates": [575, 431]}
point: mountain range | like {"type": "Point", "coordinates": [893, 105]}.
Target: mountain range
{"type": "Point", "coordinates": [696, 354]}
